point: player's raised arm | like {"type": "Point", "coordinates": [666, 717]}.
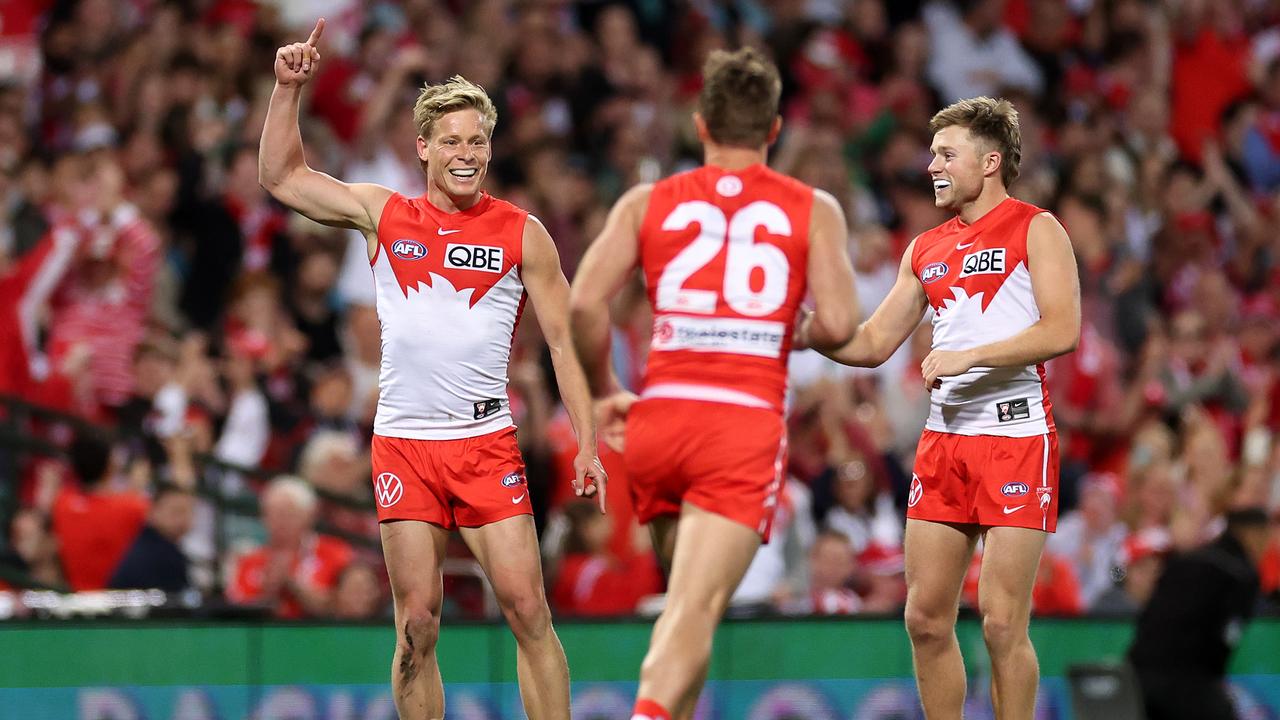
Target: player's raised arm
{"type": "Point", "coordinates": [891, 323]}
{"type": "Point", "coordinates": [604, 269]}
{"type": "Point", "coordinates": [282, 167]}
{"type": "Point", "coordinates": [1055, 283]}
{"type": "Point", "coordinates": [549, 292]}
{"type": "Point", "coordinates": [830, 273]}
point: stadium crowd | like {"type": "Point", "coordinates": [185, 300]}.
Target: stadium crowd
{"type": "Point", "coordinates": [151, 286]}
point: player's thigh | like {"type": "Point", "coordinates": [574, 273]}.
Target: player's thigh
{"type": "Point", "coordinates": [662, 531]}
{"type": "Point", "coordinates": [1010, 558]}
{"type": "Point", "coordinates": [508, 552]}
{"type": "Point", "coordinates": [712, 553]}
{"type": "Point", "coordinates": [937, 557]}
{"type": "Point", "coordinates": [414, 552]}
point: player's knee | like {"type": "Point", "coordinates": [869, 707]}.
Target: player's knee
{"type": "Point", "coordinates": [926, 626]}
{"type": "Point", "coordinates": [419, 627]}
{"type": "Point", "coordinates": [527, 614]}
{"type": "Point", "coordinates": [1003, 630]}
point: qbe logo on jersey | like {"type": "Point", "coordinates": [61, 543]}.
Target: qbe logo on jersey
{"type": "Point", "coordinates": [388, 489]}
{"type": "Point", "coordinates": [484, 258]}
{"type": "Point", "coordinates": [983, 262]}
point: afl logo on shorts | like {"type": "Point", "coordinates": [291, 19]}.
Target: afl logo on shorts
{"type": "Point", "coordinates": [388, 489]}
{"type": "Point", "coordinates": [917, 491]}
{"type": "Point", "coordinates": [1014, 489]}
{"type": "Point", "coordinates": [933, 271]}
{"type": "Point", "coordinates": [407, 249]}
{"type": "Point", "coordinates": [512, 480]}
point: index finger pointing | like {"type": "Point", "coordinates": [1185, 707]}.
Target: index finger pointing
{"type": "Point", "coordinates": [315, 34]}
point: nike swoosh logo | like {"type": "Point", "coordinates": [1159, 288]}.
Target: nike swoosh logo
{"type": "Point", "coordinates": [516, 500]}
{"type": "Point", "coordinates": [442, 231]}
{"type": "Point", "coordinates": [965, 247]}
{"type": "Point", "coordinates": [1008, 509]}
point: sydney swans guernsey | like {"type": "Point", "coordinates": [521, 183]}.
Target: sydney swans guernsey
{"type": "Point", "coordinates": [449, 296]}
{"type": "Point", "coordinates": [724, 256]}
{"type": "Point", "coordinates": [979, 286]}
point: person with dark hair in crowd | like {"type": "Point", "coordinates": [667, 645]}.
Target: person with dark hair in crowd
{"type": "Point", "coordinates": [95, 524]}
{"type": "Point", "coordinates": [155, 559]}
{"type": "Point", "coordinates": [1195, 619]}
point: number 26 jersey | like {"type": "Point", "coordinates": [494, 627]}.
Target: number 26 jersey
{"type": "Point", "coordinates": [724, 256]}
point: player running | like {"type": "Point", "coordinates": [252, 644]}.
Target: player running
{"type": "Point", "coordinates": [1001, 279]}
{"type": "Point", "coordinates": [451, 268]}
{"type": "Point", "coordinates": [728, 251]}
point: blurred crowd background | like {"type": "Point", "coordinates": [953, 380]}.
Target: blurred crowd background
{"type": "Point", "coordinates": [190, 371]}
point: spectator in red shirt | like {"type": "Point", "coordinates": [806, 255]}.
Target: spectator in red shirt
{"type": "Point", "coordinates": [95, 524]}
{"type": "Point", "coordinates": [593, 581]}
{"type": "Point", "coordinates": [295, 573]}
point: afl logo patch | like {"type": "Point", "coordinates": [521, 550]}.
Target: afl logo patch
{"type": "Point", "coordinates": [1014, 489]}
{"type": "Point", "coordinates": [729, 186]}
{"type": "Point", "coordinates": [388, 489]}
{"type": "Point", "coordinates": [933, 271]}
{"type": "Point", "coordinates": [407, 249]}
{"type": "Point", "coordinates": [512, 480]}
{"type": "Point", "coordinates": [917, 491]}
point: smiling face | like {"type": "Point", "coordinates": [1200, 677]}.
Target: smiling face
{"type": "Point", "coordinates": [960, 165]}
{"type": "Point", "coordinates": [456, 155]}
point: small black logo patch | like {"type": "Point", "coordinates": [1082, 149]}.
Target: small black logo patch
{"type": "Point", "coordinates": [1010, 410]}
{"type": "Point", "coordinates": [485, 408]}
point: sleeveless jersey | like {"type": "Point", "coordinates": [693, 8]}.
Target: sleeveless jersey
{"type": "Point", "coordinates": [725, 261]}
{"type": "Point", "coordinates": [449, 297]}
{"type": "Point", "coordinates": [979, 286]}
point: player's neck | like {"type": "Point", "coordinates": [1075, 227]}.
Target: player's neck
{"type": "Point", "coordinates": [986, 201]}
{"type": "Point", "coordinates": [451, 203]}
{"type": "Point", "coordinates": [727, 157]}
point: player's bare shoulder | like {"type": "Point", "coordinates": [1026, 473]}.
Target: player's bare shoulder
{"type": "Point", "coordinates": [634, 202]}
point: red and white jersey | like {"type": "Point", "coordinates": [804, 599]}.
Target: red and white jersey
{"type": "Point", "coordinates": [979, 287]}
{"type": "Point", "coordinates": [449, 297]}
{"type": "Point", "coordinates": [725, 260]}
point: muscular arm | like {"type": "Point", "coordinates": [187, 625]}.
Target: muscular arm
{"type": "Point", "coordinates": [282, 166]}
{"type": "Point", "coordinates": [604, 269]}
{"type": "Point", "coordinates": [835, 317]}
{"type": "Point", "coordinates": [549, 291]}
{"type": "Point", "coordinates": [891, 323]}
{"type": "Point", "coordinates": [1055, 283]}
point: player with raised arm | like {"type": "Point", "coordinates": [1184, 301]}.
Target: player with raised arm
{"type": "Point", "coordinates": [451, 269]}
{"type": "Point", "coordinates": [1001, 279]}
{"type": "Point", "coordinates": [727, 253]}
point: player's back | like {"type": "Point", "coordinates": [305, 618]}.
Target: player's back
{"type": "Point", "coordinates": [725, 259]}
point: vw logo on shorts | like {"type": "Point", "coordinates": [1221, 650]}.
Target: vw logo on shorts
{"type": "Point", "coordinates": [917, 491]}
{"type": "Point", "coordinates": [388, 489]}
{"type": "Point", "coordinates": [1014, 489]}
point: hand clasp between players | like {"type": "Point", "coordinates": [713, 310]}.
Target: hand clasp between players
{"type": "Point", "coordinates": [297, 62]}
{"type": "Point", "coordinates": [944, 363]}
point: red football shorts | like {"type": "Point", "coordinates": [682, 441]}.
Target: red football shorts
{"type": "Point", "coordinates": [986, 480]}
{"type": "Point", "coordinates": [726, 459]}
{"type": "Point", "coordinates": [468, 482]}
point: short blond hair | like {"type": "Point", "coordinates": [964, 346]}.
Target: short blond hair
{"type": "Point", "coordinates": [436, 101]}
{"type": "Point", "coordinates": [991, 120]}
